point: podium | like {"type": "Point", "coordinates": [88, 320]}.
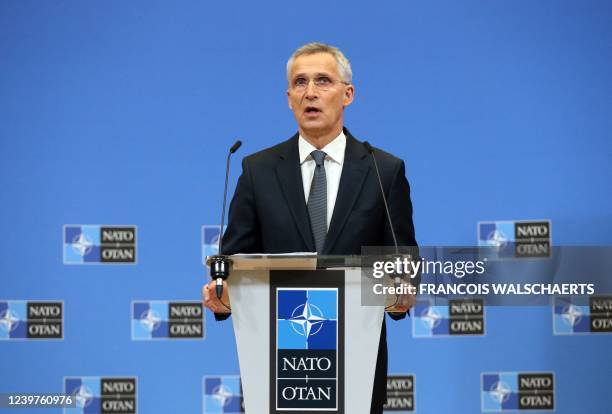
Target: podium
{"type": "Point", "coordinates": [305, 342]}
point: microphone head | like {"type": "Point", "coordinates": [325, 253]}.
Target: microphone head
{"type": "Point", "coordinates": [368, 147]}
{"type": "Point", "coordinates": [235, 147]}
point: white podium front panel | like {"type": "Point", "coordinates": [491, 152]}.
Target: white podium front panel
{"type": "Point", "coordinates": [250, 299]}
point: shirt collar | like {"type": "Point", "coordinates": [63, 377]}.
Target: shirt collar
{"type": "Point", "coordinates": [334, 150]}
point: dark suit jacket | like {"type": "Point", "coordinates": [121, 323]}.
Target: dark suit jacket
{"type": "Point", "coordinates": [268, 213]}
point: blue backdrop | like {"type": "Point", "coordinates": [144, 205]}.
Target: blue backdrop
{"type": "Point", "coordinates": [121, 112]}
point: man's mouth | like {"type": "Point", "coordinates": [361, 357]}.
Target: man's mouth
{"type": "Point", "coordinates": [311, 110]}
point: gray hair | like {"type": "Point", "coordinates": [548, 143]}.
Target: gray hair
{"type": "Point", "coordinates": [344, 66]}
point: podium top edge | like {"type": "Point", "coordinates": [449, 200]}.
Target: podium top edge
{"type": "Point", "coordinates": [291, 261]}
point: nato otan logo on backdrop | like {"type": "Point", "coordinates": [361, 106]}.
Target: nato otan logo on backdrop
{"type": "Point", "coordinates": [516, 239]}
{"type": "Point", "coordinates": [101, 395]}
{"type": "Point", "coordinates": [509, 391]}
{"type": "Point", "coordinates": [400, 394]}
{"type": "Point", "coordinates": [458, 317]}
{"type": "Point", "coordinates": [99, 244]}
{"type": "Point", "coordinates": [210, 240]}
{"type": "Point", "coordinates": [306, 349]}
{"type": "Point", "coordinates": [571, 318]}
{"type": "Point", "coordinates": [222, 395]}
{"type": "Point", "coordinates": [159, 319]}
{"type": "Point", "coordinates": [23, 320]}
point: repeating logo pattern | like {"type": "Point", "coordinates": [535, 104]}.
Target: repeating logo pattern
{"type": "Point", "coordinates": [516, 239]}
{"type": "Point", "coordinates": [306, 349]}
{"type": "Point", "coordinates": [400, 394]}
{"type": "Point", "coordinates": [506, 391]}
{"type": "Point", "coordinates": [101, 395]}
{"type": "Point", "coordinates": [458, 317]}
{"type": "Point", "coordinates": [22, 320]}
{"type": "Point", "coordinates": [210, 240]}
{"type": "Point", "coordinates": [156, 319]}
{"type": "Point", "coordinates": [223, 395]}
{"type": "Point", "coordinates": [307, 332]}
{"type": "Point", "coordinates": [571, 318]}
{"type": "Point", "coordinates": [99, 244]}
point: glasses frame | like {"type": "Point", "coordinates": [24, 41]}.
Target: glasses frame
{"type": "Point", "coordinates": [294, 87]}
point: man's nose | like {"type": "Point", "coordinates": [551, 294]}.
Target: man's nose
{"type": "Point", "coordinates": [311, 90]}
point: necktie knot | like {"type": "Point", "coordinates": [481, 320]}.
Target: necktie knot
{"type": "Point", "coordinates": [318, 156]}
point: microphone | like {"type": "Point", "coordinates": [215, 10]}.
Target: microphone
{"type": "Point", "coordinates": [368, 147]}
{"type": "Point", "coordinates": [219, 264]}
{"type": "Point", "coordinates": [232, 150]}
{"type": "Point", "coordinates": [235, 147]}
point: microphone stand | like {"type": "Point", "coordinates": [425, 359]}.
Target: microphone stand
{"type": "Point", "coordinates": [398, 279]}
{"type": "Point", "coordinates": [220, 263]}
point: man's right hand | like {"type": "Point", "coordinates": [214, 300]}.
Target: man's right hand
{"type": "Point", "coordinates": [210, 300]}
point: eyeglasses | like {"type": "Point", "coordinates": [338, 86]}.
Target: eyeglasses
{"type": "Point", "coordinates": [322, 83]}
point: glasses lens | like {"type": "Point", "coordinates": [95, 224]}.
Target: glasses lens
{"type": "Point", "coordinates": [321, 83]}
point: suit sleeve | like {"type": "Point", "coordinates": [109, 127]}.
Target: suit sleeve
{"type": "Point", "coordinates": [242, 234]}
{"type": "Point", "coordinates": [400, 208]}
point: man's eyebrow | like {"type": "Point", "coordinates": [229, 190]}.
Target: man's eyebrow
{"type": "Point", "coordinates": [303, 75]}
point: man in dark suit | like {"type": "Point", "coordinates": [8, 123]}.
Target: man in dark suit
{"type": "Point", "coordinates": [318, 191]}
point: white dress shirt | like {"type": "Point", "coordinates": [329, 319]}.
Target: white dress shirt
{"type": "Point", "coordinates": [333, 168]}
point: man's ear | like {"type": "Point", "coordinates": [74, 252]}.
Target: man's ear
{"type": "Point", "coordinates": [349, 94]}
{"type": "Point", "coordinates": [289, 100]}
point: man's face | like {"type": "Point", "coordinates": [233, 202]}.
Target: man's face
{"type": "Point", "coordinates": [318, 110]}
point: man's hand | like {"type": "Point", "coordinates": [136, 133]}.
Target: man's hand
{"type": "Point", "coordinates": [210, 300]}
{"type": "Point", "coordinates": [404, 302]}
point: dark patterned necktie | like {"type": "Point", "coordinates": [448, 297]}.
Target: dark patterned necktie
{"type": "Point", "coordinates": [317, 201]}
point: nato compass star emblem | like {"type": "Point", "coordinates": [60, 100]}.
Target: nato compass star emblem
{"type": "Point", "coordinates": [223, 395]}
{"type": "Point", "coordinates": [497, 239]}
{"type": "Point", "coordinates": [83, 396]}
{"type": "Point", "coordinates": [307, 319]}
{"type": "Point", "coordinates": [214, 243]}
{"type": "Point", "coordinates": [82, 244]}
{"type": "Point", "coordinates": [500, 392]}
{"type": "Point", "coordinates": [9, 320]}
{"type": "Point", "coordinates": [431, 317]}
{"type": "Point", "coordinates": [571, 314]}
{"type": "Point", "coordinates": [150, 319]}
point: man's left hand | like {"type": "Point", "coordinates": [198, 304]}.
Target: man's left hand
{"type": "Point", "coordinates": [404, 302]}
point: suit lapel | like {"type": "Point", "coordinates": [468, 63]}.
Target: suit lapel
{"type": "Point", "coordinates": [354, 172]}
{"type": "Point", "coordinates": [289, 174]}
